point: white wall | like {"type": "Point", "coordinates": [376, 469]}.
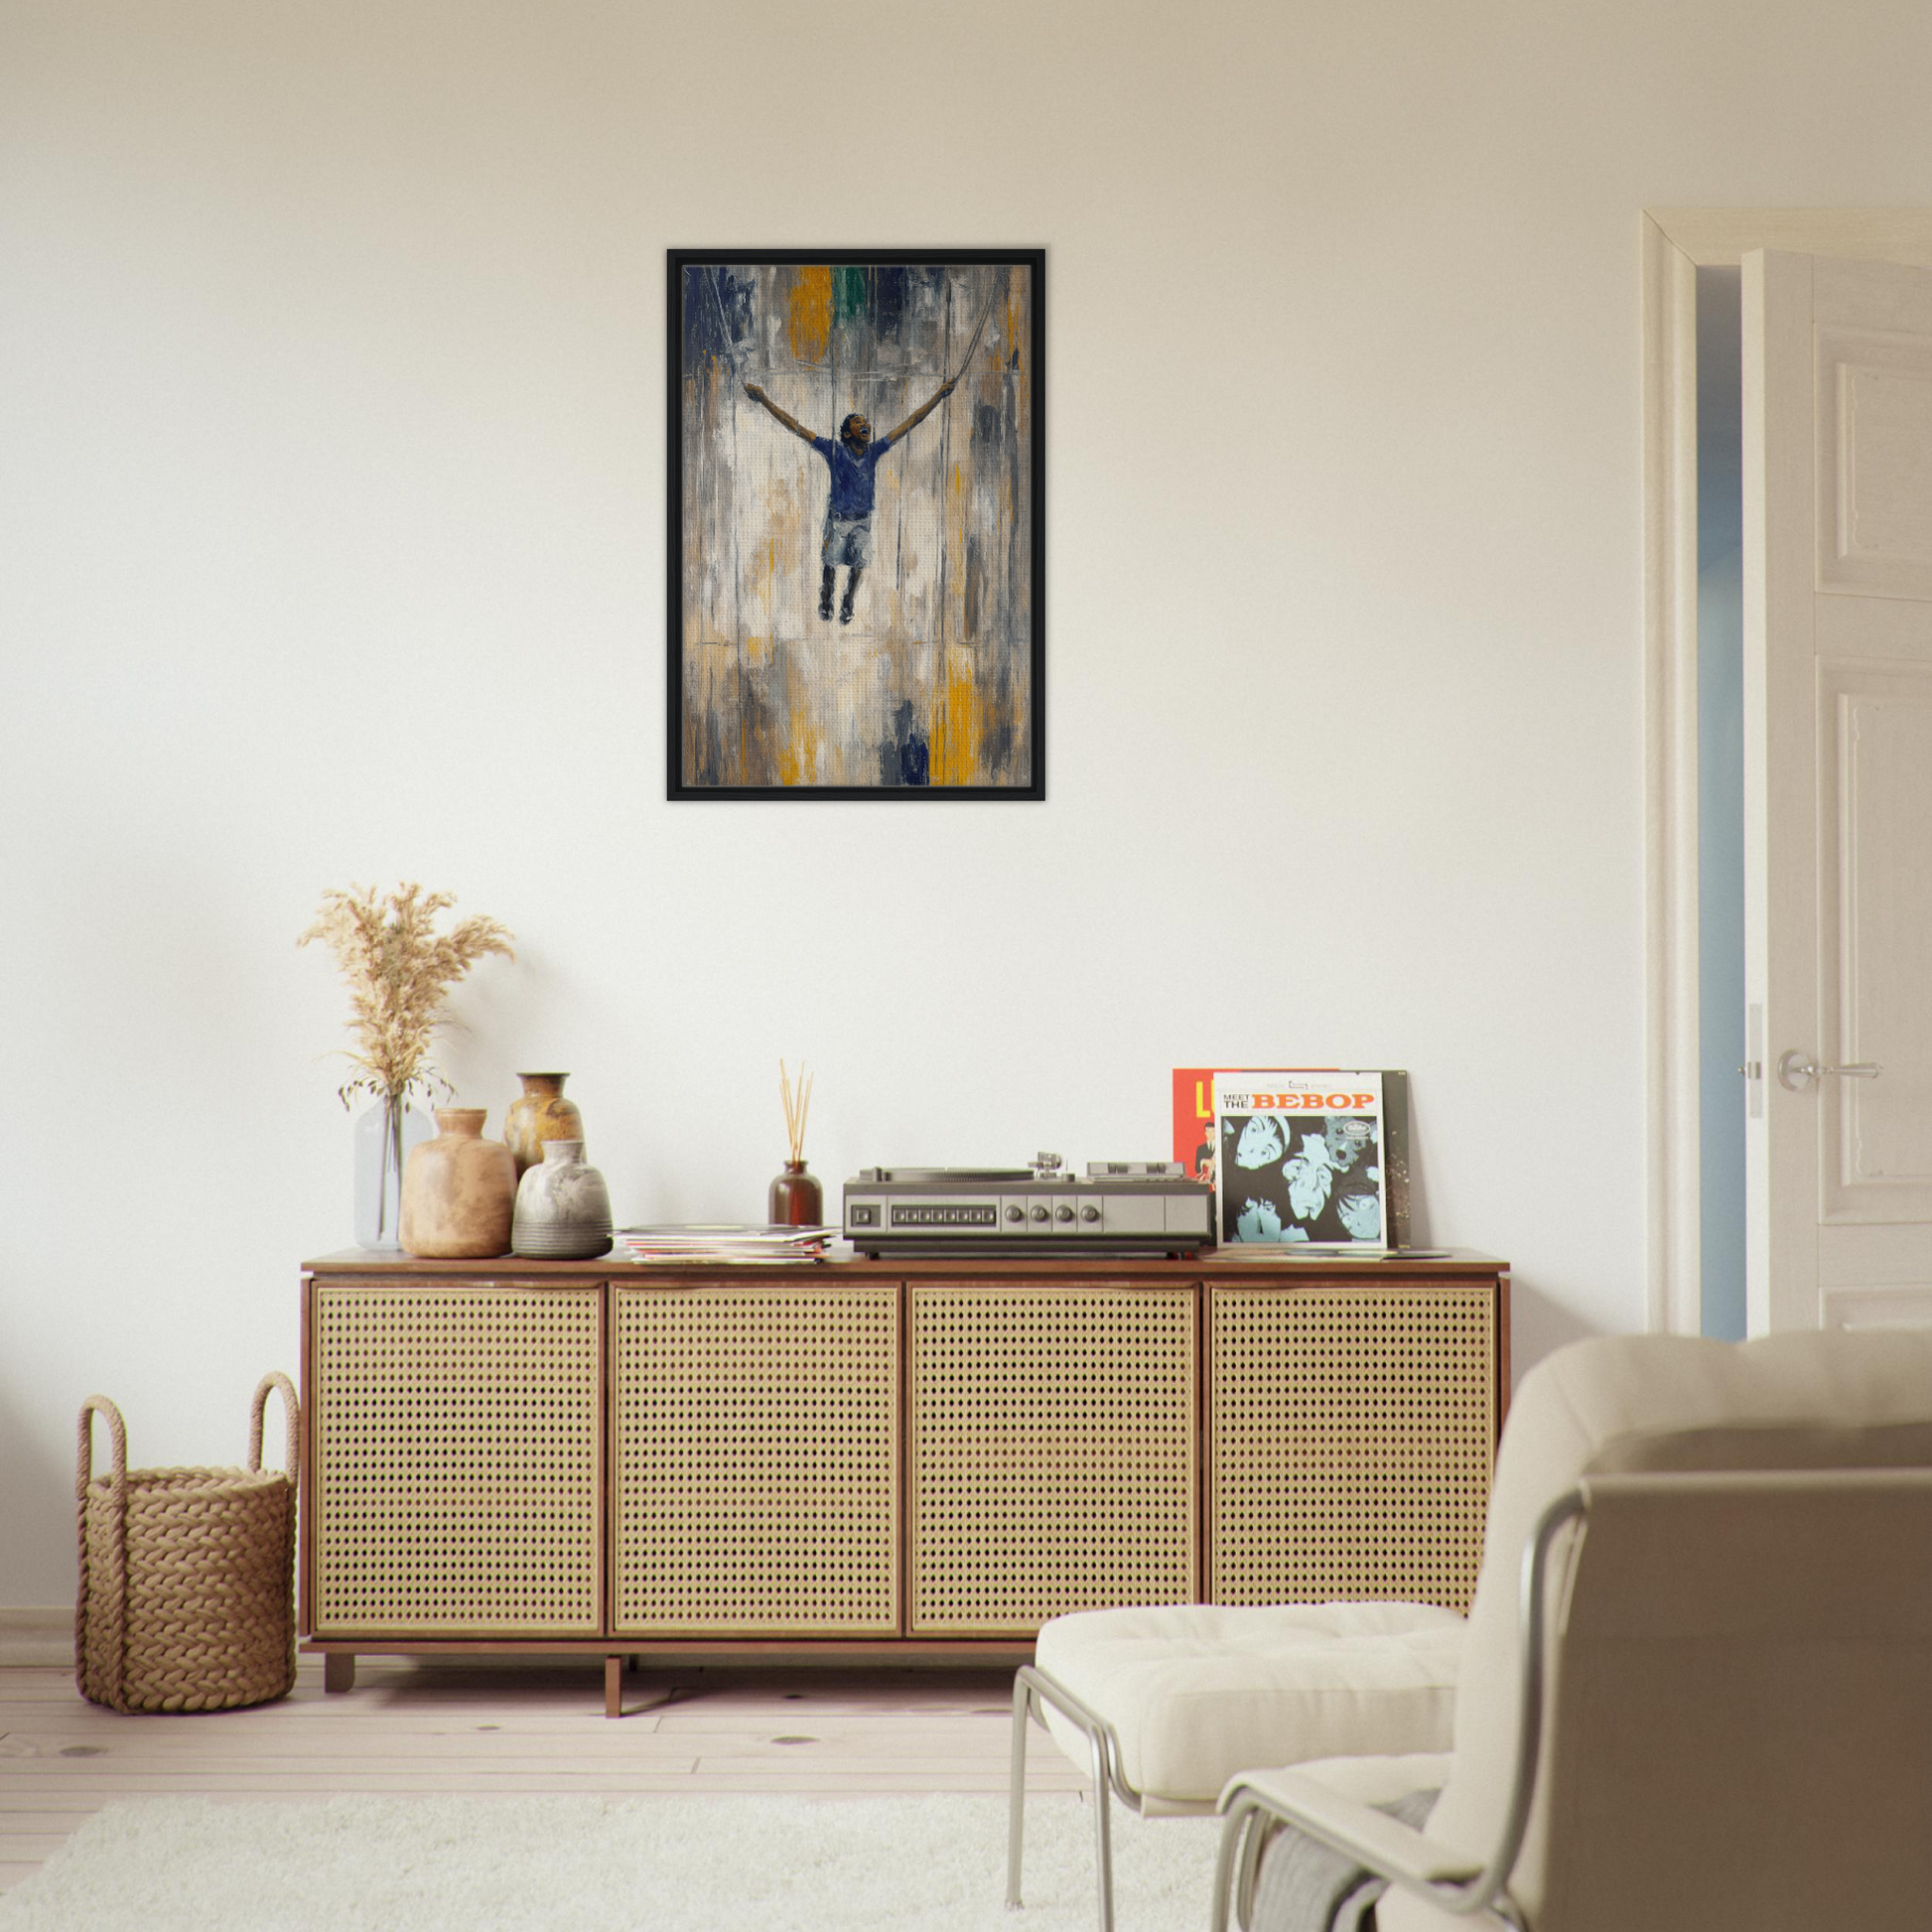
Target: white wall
{"type": "Point", "coordinates": [331, 549]}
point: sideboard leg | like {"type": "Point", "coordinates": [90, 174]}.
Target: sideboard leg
{"type": "Point", "coordinates": [614, 1687]}
{"type": "Point", "coordinates": [339, 1670]}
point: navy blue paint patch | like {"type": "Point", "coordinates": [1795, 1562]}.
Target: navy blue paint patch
{"type": "Point", "coordinates": [711, 754]}
{"type": "Point", "coordinates": [893, 750]}
{"type": "Point", "coordinates": [714, 302]}
{"type": "Point", "coordinates": [913, 761]}
{"type": "Point", "coordinates": [703, 337]}
{"type": "Point", "coordinates": [891, 286]}
{"type": "Point", "coordinates": [975, 586]}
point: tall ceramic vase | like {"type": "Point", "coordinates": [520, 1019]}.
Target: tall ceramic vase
{"type": "Point", "coordinates": [459, 1190]}
{"type": "Point", "coordinates": [540, 1112]}
{"type": "Point", "coordinates": [385, 1136]}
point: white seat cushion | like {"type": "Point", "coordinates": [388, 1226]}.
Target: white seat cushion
{"type": "Point", "coordinates": [1198, 1692]}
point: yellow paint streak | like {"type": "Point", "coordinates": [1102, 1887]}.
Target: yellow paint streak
{"type": "Point", "coordinates": [770, 562]}
{"type": "Point", "coordinates": [798, 760]}
{"type": "Point", "coordinates": [808, 320]}
{"type": "Point", "coordinates": [954, 734]}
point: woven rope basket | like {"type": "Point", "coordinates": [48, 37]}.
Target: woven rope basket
{"type": "Point", "coordinates": [187, 1576]}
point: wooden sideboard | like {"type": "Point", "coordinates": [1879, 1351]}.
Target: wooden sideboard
{"type": "Point", "coordinates": [883, 1460]}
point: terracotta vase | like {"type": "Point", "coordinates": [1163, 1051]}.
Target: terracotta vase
{"type": "Point", "coordinates": [563, 1208]}
{"type": "Point", "coordinates": [459, 1190]}
{"type": "Point", "coordinates": [540, 1114]}
{"type": "Point", "coordinates": [796, 1199]}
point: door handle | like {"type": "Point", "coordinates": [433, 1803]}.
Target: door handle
{"type": "Point", "coordinates": [1797, 1071]}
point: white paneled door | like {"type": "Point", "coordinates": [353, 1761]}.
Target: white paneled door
{"type": "Point", "coordinates": [1837, 775]}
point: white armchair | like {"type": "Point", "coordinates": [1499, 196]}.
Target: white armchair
{"type": "Point", "coordinates": [1697, 1684]}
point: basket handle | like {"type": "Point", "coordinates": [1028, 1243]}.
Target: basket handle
{"type": "Point", "coordinates": [117, 1432]}
{"type": "Point", "coordinates": [113, 1585]}
{"type": "Point", "coordinates": [290, 1408]}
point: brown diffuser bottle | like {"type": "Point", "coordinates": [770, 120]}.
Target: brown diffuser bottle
{"type": "Point", "coordinates": [796, 1199]}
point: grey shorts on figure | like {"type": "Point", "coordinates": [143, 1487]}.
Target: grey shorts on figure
{"type": "Point", "coordinates": [848, 540]}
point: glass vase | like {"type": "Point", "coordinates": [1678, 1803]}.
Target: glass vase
{"type": "Point", "coordinates": [384, 1135]}
{"type": "Point", "coordinates": [796, 1199]}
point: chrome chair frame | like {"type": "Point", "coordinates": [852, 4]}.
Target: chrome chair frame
{"type": "Point", "coordinates": [1253, 1816]}
{"type": "Point", "coordinates": [1032, 1689]}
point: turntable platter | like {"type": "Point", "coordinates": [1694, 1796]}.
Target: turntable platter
{"type": "Point", "coordinates": [935, 1175]}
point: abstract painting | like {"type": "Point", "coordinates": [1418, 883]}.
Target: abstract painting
{"type": "Point", "coordinates": [855, 527]}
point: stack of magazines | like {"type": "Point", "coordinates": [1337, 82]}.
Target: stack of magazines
{"type": "Point", "coordinates": [707, 1242]}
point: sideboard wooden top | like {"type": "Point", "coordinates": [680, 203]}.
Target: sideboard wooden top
{"type": "Point", "coordinates": [1218, 1265]}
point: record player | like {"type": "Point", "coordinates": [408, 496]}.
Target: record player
{"type": "Point", "coordinates": [1135, 1208]}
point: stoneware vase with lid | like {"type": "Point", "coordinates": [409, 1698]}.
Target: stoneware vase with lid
{"type": "Point", "coordinates": [539, 1114]}
{"type": "Point", "coordinates": [563, 1208]}
{"type": "Point", "coordinates": [459, 1190]}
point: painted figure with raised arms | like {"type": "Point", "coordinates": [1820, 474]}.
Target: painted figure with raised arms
{"type": "Point", "coordinates": [853, 459]}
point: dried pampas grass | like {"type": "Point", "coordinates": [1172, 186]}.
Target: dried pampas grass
{"type": "Point", "coordinates": [398, 969]}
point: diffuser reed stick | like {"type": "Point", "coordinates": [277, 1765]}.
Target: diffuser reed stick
{"type": "Point", "coordinates": [798, 1104]}
{"type": "Point", "coordinates": [795, 1198]}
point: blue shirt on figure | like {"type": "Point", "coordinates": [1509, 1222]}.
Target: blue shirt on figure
{"type": "Point", "coordinates": [853, 475]}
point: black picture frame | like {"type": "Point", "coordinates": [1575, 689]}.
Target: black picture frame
{"type": "Point", "coordinates": [720, 738]}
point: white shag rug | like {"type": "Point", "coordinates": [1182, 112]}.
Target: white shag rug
{"type": "Point", "coordinates": [755, 1864]}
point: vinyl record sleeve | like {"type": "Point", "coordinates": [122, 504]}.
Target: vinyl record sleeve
{"type": "Point", "coordinates": [1196, 1147]}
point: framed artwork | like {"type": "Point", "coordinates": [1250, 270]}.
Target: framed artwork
{"type": "Point", "coordinates": [856, 545]}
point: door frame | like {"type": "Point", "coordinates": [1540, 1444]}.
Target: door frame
{"type": "Point", "coordinates": [1675, 244]}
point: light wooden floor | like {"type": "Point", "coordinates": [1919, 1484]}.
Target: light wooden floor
{"type": "Point", "coordinates": [509, 1729]}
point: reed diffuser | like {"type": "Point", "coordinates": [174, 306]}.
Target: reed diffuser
{"type": "Point", "coordinates": [795, 1201]}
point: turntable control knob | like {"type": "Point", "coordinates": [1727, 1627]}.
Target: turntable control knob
{"type": "Point", "coordinates": [1089, 1212]}
{"type": "Point", "coordinates": [1015, 1212]}
{"type": "Point", "coordinates": [1040, 1214]}
{"type": "Point", "coordinates": [1047, 1162]}
{"type": "Point", "coordinates": [1063, 1212]}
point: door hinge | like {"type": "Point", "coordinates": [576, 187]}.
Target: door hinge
{"type": "Point", "coordinates": [1753, 1068]}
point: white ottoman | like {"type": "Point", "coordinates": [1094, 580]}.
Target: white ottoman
{"type": "Point", "coordinates": [1165, 1704]}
